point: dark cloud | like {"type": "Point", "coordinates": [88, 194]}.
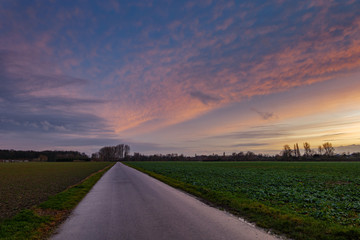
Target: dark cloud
{"type": "Point", "coordinates": [50, 122]}
{"type": "Point", "coordinates": [333, 134]}
{"type": "Point", "coordinates": [204, 98]}
{"type": "Point", "coordinates": [327, 137]}
{"type": "Point", "coordinates": [249, 145]}
{"type": "Point", "coordinates": [48, 102]}
{"type": "Point", "coordinates": [23, 110]}
{"type": "Point", "coordinates": [21, 75]}
{"type": "Point", "coordinates": [348, 148]}
{"type": "Point", "coordinates": [264, 115]}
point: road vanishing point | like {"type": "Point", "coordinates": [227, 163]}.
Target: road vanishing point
{"type": "Point", "coordinates": [126, 204]}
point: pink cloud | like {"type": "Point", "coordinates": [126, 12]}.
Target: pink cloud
{"type": "Point", "coordinates": [225, 24]}
{"type": "Point", "coordinates": [195, 76]}
{"type": "Point", "coordinates": [171, 77]}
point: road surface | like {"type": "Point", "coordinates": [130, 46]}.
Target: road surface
{"type": "Point", "coordinates": [127, 204]}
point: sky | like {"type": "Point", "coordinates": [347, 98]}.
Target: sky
{"type": "Point", "coordinates": [186, 77]}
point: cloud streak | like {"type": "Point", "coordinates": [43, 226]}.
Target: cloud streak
{"type": "Point", "coordinates": [204, 98]}
{"type": "Point", "coordinates": [264, 115]}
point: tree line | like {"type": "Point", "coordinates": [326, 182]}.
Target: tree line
{"type": "Point", "coordinates": [107, 153]}
{"type": "Point", "coordinates": [112, 153]}
{"type": "Point", "coordinates": [325, 149]}
{"type": "Point", "coordinates": [120, 152]}
{"type": "Point", "coordinates": [49, 156]}
{"type": "Point", "coordinates": [324, 152]}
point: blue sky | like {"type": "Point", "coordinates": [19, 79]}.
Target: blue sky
{"type": "Point", "coordinates": [179, 76]}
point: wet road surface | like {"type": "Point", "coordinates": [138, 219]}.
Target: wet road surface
{"type": "Point", "coordinates": [127, 204]}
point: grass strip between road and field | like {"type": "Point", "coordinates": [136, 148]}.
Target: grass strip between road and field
{"type": "Point", "coordinates": [40, 221]}
{"type": "Point", "coordinates": [277, 221]}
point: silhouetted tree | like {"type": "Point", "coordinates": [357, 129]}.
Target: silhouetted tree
{"type": "Point", "coordinates": [126, 150]}
{"type": "Point", "coordinates": [119, 149]}
{"type": "Point", "coordinates": [328, 148]}
{"type": "Point", "coordinates": [50, 156]}
{"type": "Point", "coordinates": [107, 154]}
{"type": "Point", "coordinates": [112, 153]}
{"type": "Point", "coordinates": [296, 150]}
{"type": "Point", "coordinates": [307, 149]}
{"type": "Point", "coordinates": [287, 152]}
{"type": "Point", "coordinates": [320, 149]}
{"type": "Point", "coordinates": [250, 155]}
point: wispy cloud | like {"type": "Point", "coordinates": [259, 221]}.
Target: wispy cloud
{"type": "Point", "coordinates": [151, 65]}
{"type": "Point", "coordinates": [349, 148]}
{"type": "Point", "coordinates": [249, 145]}
{"type": "Point", "coordinates": [204, 98]}
{"type": "Point", "coordinates": [244, 68]}
{"type": "Point", "coordinates": [264, 115]}
{"type": "Point", "coordinates": [36, 100]}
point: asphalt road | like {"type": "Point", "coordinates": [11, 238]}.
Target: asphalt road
{"type": "Point", "coordinates": [127, 204]}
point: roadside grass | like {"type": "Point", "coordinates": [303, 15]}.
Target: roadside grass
{"type": "Point", "coordinates": [40, 221]}
{"type": "Point", "coordinates": [279, 220]}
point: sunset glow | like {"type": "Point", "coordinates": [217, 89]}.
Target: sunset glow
{"type": "Point", "coordinates": [178, 76]}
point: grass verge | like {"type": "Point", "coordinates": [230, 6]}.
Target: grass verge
{"type": "Point", "coordinates": [279, 221]}
{"type": "Point", "coordinates": [40, 221]}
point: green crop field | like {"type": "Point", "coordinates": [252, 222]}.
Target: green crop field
{"type": "Point", "coordinates": [303, 200]}
{"type": "Point", "coordinates": [23, 185]}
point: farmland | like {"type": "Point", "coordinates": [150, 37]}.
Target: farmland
{"type": "Point", "coordinates": [306, 200]}
{"type": "Point", "coordinates": [23, 185]}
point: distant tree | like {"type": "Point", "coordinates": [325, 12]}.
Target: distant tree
{"type": "Point", "coordinates": [240, 154]}
{"type": "Point", "coordinates": [328, 148]}
{"type": "Point", "coordinates": [286, 152]}
{"type": "Point", "coordinates": [307, 149]}
{"type": "Point", "coordinates": [107, 154]}
{"type": "Point", "coordinates": [112, 153]}
{"type": "Point", "coordinates": [250, 155]}
{"type": "Point", "coordinates": [296, 150]}
{"type": "Point", "coordinates": [50, 156]}
{"type": "Point", "coordinates": [320, 149]}
{"type": "Point", "coordinates": [355, 154]}
{"type": "Point", "coordinates": [126, 150]}
{"type": "Point", "coordinates": [119, 151]}
{"type": "Point", "coordinates": [95, 157]}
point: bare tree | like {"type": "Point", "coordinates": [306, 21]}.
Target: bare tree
{"type": "Point", "coordinates": [95, 156]}
{"type": "Point", "coordinates": [307, 149]}
{"type": "Point", "coordinates": [287, 152]}
{"type": "Point", "coordinates": [296, 150]}
{"type": "Point", "coordinates": [320, 149]}
{"type": "Point", "coordinates": [119, 151]}
{"type": "Point", "coordinates": [107, 154]}
{"type": "Point", "coordinates": [126, 150]}
{"type": "Point", "coordinates": [250, 155]}
{"type": "Point", "coordinates": [328, 148]}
